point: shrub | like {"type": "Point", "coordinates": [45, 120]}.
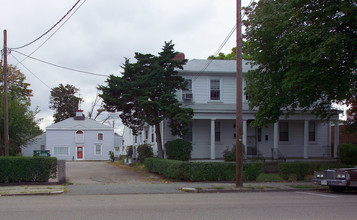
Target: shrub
{"type": "Point", "coordinates": [200, 171]}
{"type": "Point", "coordinates": [347, 153]}
{"type": "Point", "coordinates": [111, 156]}
{"type": "Point", "coordinates": [178, 149]}
{"type": "Point", "coordinates": [27, 169]}
{"type": "Point", "coordinates": [144, 151]}
{"type": "Point", "coordinates": [294, 171]}
{"type": "Point", "coordinates": [129, 151]}
{"type": "Point", "coordinates": [230, 155]}
{"type": "Point", "coordinates": [252, 170]}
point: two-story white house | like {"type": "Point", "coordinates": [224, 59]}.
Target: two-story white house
{"type": "Point", "coordinates": [76, 138]}
{"type": "Point", "coordinates": [211, 93]}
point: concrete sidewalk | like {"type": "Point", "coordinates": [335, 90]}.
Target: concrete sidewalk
{"type": "Point", "coordinates": [155, 188]}
{"type": "Point", "coordinates": [22, 190]}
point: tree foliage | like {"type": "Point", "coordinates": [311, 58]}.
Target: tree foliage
{"type": "Point", "coordinates": [232, 55]}
{"type": "Point", "coordinates": [64, 102]}
{"type": "Point", "coordinates": [17, 87]}
{"type": "Point", "coordinates": [305, 51]}
{"type": "Point", "coordinates": [21, 120]}
{"type": "Point", "coordinates": [146, 93]}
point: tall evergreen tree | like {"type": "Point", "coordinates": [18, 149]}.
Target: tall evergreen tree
{"type": "Point", "coordinates": [146, 93]}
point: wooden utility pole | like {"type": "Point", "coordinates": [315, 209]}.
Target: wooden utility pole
{"type": "Point", "coordinates": [239, 124]}
{"type": "Point", "coordinates": [6, 112]}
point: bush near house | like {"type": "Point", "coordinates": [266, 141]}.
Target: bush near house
{"type": "Point", "coordinates": [347, 153]}
{"type": "Point", "coordinates": [129, 151]}
{"type": "Point", "coordinates": [144, 151]}
{"type": "Point", "coordinates": [27, 169]}
{"type": "Point", "coordinates": [201, 171]}
{"type": "Point", "coordinates": [178, 149]}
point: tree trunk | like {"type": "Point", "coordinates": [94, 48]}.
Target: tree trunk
{"type": "Point", "coordinates": [158, 141]}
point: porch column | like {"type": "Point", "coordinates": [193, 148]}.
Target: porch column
{"type": "Point", "coordinates": [276, 141]}
{"type": "Point", "coordinates": [336, 138]}
{"type": "Point", "coordinates": [306, 138]}
{"type": "Point", "coordinates": [213, 147]}
{"type": "Point", "coordinates": [244, 139]}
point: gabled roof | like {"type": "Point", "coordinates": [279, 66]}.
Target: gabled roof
{"type": "Point", "coordinates": [222, 66]}
{"type": "Point", "coordinates": [71, 124]}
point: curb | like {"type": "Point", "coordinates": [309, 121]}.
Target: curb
{"type": "Point", "coordinates": [195, 190]}
{"type": "Point", "coordinates": [34, 194]}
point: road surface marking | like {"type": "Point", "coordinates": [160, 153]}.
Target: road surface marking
{"type": "Point", "coordinates": [317, 194]}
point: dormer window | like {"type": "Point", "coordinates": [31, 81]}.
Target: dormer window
{"type": "Point", "coordinates": [79, 136]}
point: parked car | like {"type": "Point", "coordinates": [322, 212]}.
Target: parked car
{"type": "Point", "coordinates": [337, 180]}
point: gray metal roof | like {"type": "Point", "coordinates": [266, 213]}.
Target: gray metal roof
{"type": "Point", "coordinates": [71, 124]}
{"type": "Point", "coordinates": [222, 66]}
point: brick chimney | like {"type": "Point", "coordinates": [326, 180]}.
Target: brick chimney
{"type": "Point", "coordinates": [179, 56]}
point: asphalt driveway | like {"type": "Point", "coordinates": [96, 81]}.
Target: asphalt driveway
{"type": "Point", "coordinates": [88, 172]}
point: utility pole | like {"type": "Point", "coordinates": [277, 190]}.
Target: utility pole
{"type": "Point", "coordinates": [239, 125]}
{"type": "Point", "coordinates": [6, 112]}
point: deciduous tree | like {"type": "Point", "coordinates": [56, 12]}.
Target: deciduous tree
{"type": "Point", "coordinates": [64, 102]}
{"type": "Point", "coordinates": [305, 51]}
{"type": "Point", "coordinates": [146, 93]}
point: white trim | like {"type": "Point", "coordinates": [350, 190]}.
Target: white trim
{"type": "Point", "coordinates": [102, 136]}
{"type": "Point", "coordinates": [220, 90]}
{"type": "Point", "coordinates": [79, 138]}
{"type": "Point", "coordinates": [95, 149]}
{"type": "Point", "coordinates": [54, 152]}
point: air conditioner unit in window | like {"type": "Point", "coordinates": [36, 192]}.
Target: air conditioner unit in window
{"type": "Point", "coordinates": [187, 96]}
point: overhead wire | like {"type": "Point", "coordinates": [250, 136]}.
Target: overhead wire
{"type": "Point", "coordinates": [53, 33]}
{"type": "Point", "coordinates": [59, 66]}
{"type": "Point", "coordinates": [221, 46]}
{"type": "Point", "coordinates": [31, 72]}
{"type": "Point", "coordinates": [227, 38]}
{"type": "Point", "coordinates": [50, 28]}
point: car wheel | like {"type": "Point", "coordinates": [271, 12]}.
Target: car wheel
{"type": "Point", "coordinates": [337, 188]}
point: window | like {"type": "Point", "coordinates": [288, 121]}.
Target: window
{"type": "Point", "coordinates": [43, 147]}
{"type": "Point", "coordinates": [259, 134]}
{"type": "Point", "coordinates": [79, 136]}
{"type": "Point", "coordinates": [146, 134]}
{"type": "Point", "coordinates": [60, 150]}
{"type": "Point", "coordinates": [188, 86]}
{"type": "Point", "coordinates": [312, 131]}
{"type": "Point", "coordinates": [98, 149]}
{"type": "Point", "coordinates": [215, 89]}
{"type": "Point", "coordinates": [284, 131]}
{"type": "Point", "coordinates": [188, 135]}
{"type": "Point", "coordinates": [100, 136]}
{"type": "Point", "coordinates": [217, 128]}
{"type": "Point", "coordinates": [136, 139]}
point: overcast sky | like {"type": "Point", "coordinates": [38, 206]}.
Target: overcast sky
{"type": "Point", "coordinates": [101, 33]}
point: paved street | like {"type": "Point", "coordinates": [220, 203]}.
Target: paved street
{"type": "Point", "coordinates": [259, 205]}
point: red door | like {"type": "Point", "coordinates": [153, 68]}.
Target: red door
{"type": "Point", "coordinates": [80, 152]}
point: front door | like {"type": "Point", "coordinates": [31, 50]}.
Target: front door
{"type": "Point", "coordinates": [79, 152]}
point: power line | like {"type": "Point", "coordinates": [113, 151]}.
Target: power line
{"type": "Point", "coordinates": [63, 67]}
{"type": "Point", "coordinates": [221, 46]}
{"type": "Point", "coordinates": [50, 28]}
{"type": "Point", "coordinates": [31, 72]}
{"type": "Point", "coordinates": [53, 33]}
